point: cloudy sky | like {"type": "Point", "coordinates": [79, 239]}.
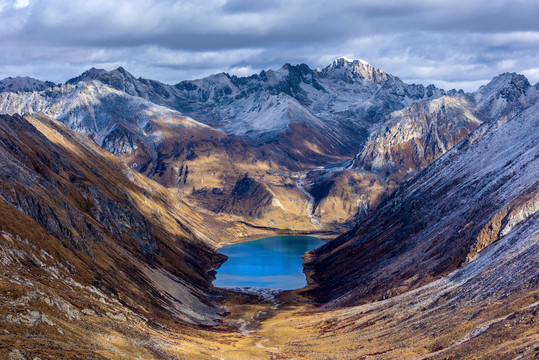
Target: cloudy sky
{"type": "Point", "coordinates": [451, 43]}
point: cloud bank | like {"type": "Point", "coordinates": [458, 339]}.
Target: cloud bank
{"type": "Point", "coordinates": [453, 44]}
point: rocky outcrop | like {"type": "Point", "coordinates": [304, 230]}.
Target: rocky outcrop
{"type": "Point", "coordinates": [414, 137]}
{"type": "Point", "coordinates": [248, 198]}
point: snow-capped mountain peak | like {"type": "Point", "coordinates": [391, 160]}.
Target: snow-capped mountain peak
{"type": "Point", "coordinates": [344, 60]}
{"type": "Point", "coordinates": [87, 76]}
{"type": "Point", "coordinates": [503, 94]}
{"type": "Point", "coordinates": [357, 69]}
{"type": "Point", "coordinates": [24, 83]}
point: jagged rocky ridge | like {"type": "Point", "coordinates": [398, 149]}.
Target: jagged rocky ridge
{"type": "Point", "coordinates": [24, 84]}
{"type": "Point", "coordinates": [309, 114]}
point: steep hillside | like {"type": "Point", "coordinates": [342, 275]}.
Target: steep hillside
{"type": "Point", "coordinates": [486, 310]}
{"type": "Point", "coordinates": [84, 237]}
{"type": "Point", "coordinates": [414, 137]}
{"type": "Point", "coordinates": [475, 194]}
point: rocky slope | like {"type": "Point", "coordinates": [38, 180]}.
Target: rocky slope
{"type": "Point", "coordinates": [414, 137]}
{"type": "Point", "coordinates": [475, 194]}
{"type": "Point", "coordinates": [201, 163]}
{"type": "Point", "coordinates": [488, 309]}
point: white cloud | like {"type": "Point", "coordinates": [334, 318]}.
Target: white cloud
{"type": "Point", "coordinates": [20, 4]}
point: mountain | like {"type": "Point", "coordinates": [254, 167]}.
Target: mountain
{"type": "Point", "coordinates": [24, 84]}
{"type": "Point", "coordinates": [412, 138]}
{"type": "Point", "coordinates": [267, 126]}
{"type": "Point", "coordinates": [336, 106]}
{"type": "Point", "coordinates": [369, 129]}
{"type": "Point", "coordinates": [415, 136]}
{"type": "Point", "coordinates": [201, 163]}
{"type": "Point", "coordinates": [479, 191]}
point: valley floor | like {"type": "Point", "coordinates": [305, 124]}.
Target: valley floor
{"type": "Point", "coordinates": [438, 321]}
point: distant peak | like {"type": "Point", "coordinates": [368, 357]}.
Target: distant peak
{"type": "Point", "coordinates": [24, 83]}
{"type": "Point", "coordinates": [88, 75]}
{"type": "Point", "coordinates": [344, 59]}
{"type": "Point", "coordinates": [506, 81]}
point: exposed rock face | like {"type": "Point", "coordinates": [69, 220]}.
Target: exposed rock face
{"type": "Point", "coordinates": [414, 137]}
{"type": "Point", "coordinates": [343, 197]}
{"type": "Point", "coordinates": [473, 195]}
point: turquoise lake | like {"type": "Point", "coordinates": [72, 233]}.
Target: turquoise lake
{"type": "Point", "coordinates": [273, 262]}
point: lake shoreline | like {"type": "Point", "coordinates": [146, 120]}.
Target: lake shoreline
{"type": "Point", "coordinates": [274, 262]}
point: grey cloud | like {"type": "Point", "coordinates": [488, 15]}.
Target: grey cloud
{"type": "Point", "coordinates": [249, 6]}
{"type": "Point", "coordinates": [445, 42]}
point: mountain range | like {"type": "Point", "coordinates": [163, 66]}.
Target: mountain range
{"type": "Point", "coordinates": [276, 126]}
{"type": "Point", "coordinates": [116, 193]}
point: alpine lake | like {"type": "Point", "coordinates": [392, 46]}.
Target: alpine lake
{"type": "Point", "coordinates": [273, 262]}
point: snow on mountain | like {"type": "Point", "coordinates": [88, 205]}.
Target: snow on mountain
{"type": "Point", "coordinates": [25, 84]}
{"type": "Point", "coordinates": [98, 111]}
{"type": "Point", "coordinates": [504, 94]}
{"type": "Point", "coordinates": [337, 106]}
{"type": "Point", "coordinates": [121, 80]}
{"type": "Point", "coordinates": [301, 116]}
{"type": "Point", "coordinates": [415, 136]}
{"type": "Point", "coordinates": [410, 139]}
{"type": "Point", "coordinates": [88, 75]}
